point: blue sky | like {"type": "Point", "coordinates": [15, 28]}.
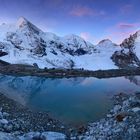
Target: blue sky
{"type": "Point", "coordinates": [94, 20]}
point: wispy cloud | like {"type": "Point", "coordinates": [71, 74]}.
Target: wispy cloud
{"type": "Point", "coordinates": [81, 11]}
{"type": "Point", "coordinates": [122, 30]}
{"type": "Point", "coordinates": [126, 9]}
{"type": "Point", "coordinates": [127, 25]}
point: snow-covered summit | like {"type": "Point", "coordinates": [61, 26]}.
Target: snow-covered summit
{"type": "Point", "coordinates": [106, 43]}
{"type": "Point", "coordinates": [22, 22]}
{"type": "Point", "coordinates": [77, 40]}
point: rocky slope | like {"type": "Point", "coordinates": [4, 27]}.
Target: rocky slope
{"type": "Point", "coordinates": [24, 43]}
{"type": "Point", "coordinates": [122, 123]}
{"type": "Point", "coordinates": [129, 56]}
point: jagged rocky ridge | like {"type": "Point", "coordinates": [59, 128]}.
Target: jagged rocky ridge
{"type": "Point", "coordinates": [129, 56]}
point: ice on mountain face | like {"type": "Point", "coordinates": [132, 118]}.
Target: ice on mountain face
{"type": "Point", "coordinates": [51, 36]}
{"type": "Point", "coordinates": [76, 45]}
{"type": "Point", "coordinates": [99, 59]}
{"type": "Point", "coordinates": [2, 46]}
{"type": "Point", "coordinates": [77, 42]}
{"type": "Point", "coordinates": [107, 47]}
{"type": "Point", "coordinates": [4, 29]}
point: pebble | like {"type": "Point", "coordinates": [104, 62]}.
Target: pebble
{"type": "Point", "coordinates": [3, 121]}
{"type": "Point", "coordinates": [136, 109]}
{"type": "Point", "coordinates": [110, 129]}
{"type": "Point", "coordinates": [104, 129]}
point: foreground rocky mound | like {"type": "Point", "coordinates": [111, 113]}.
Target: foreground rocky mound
{"type": "Point", "coordinates": [122, 123]}
{"type": "Point", "coordinates": [14, 129]}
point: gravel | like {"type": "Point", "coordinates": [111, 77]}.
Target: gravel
{"type": "Point", "coordinates": [121, 123]}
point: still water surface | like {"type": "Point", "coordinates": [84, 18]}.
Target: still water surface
{"type": "Point", "coordinates": [74, 101]}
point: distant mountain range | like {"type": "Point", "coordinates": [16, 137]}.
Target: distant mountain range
{"type": "Point", "coordinates": [24, 43]}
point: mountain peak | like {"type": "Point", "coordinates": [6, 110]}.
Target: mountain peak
{"type": "Point", "coordinates": [22, 22]}
{"type": "Point", "coordinates": [105, 41]}
{"type": "Point", "coordinates": [26, 25]}
{"type": "Point", "coordinates": [71, 36]}
{"type": "Point", "coordinates": [137, 33]}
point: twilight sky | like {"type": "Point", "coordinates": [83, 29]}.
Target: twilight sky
{"type": "Point", "coordinates": [94, 20]}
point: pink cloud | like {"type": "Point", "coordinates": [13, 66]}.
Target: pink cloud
{"type": "Point", "coordinates": [122, 30]}
{"type": "Point", "coordinates": [127, 25]}
{"type": "Point", "coordinates": [118, 37]}
{"type": "Point", "coordinates": [80, 11]}
{"type": "Point", "coordinates": [126, 28]}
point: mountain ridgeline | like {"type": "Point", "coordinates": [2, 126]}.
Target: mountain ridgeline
{"type": "Point", "coordinates": [24, 43]}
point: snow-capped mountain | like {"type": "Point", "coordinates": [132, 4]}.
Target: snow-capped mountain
{"type": "Point", "coordinates": [25, 43]}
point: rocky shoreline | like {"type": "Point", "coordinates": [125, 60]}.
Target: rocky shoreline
{"type": "Point", "coordinates": [18, 120]}
{"type": "Point", "coordinates": [122, 122]}
{"type": "Point", "coordinates": [28, 70]}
